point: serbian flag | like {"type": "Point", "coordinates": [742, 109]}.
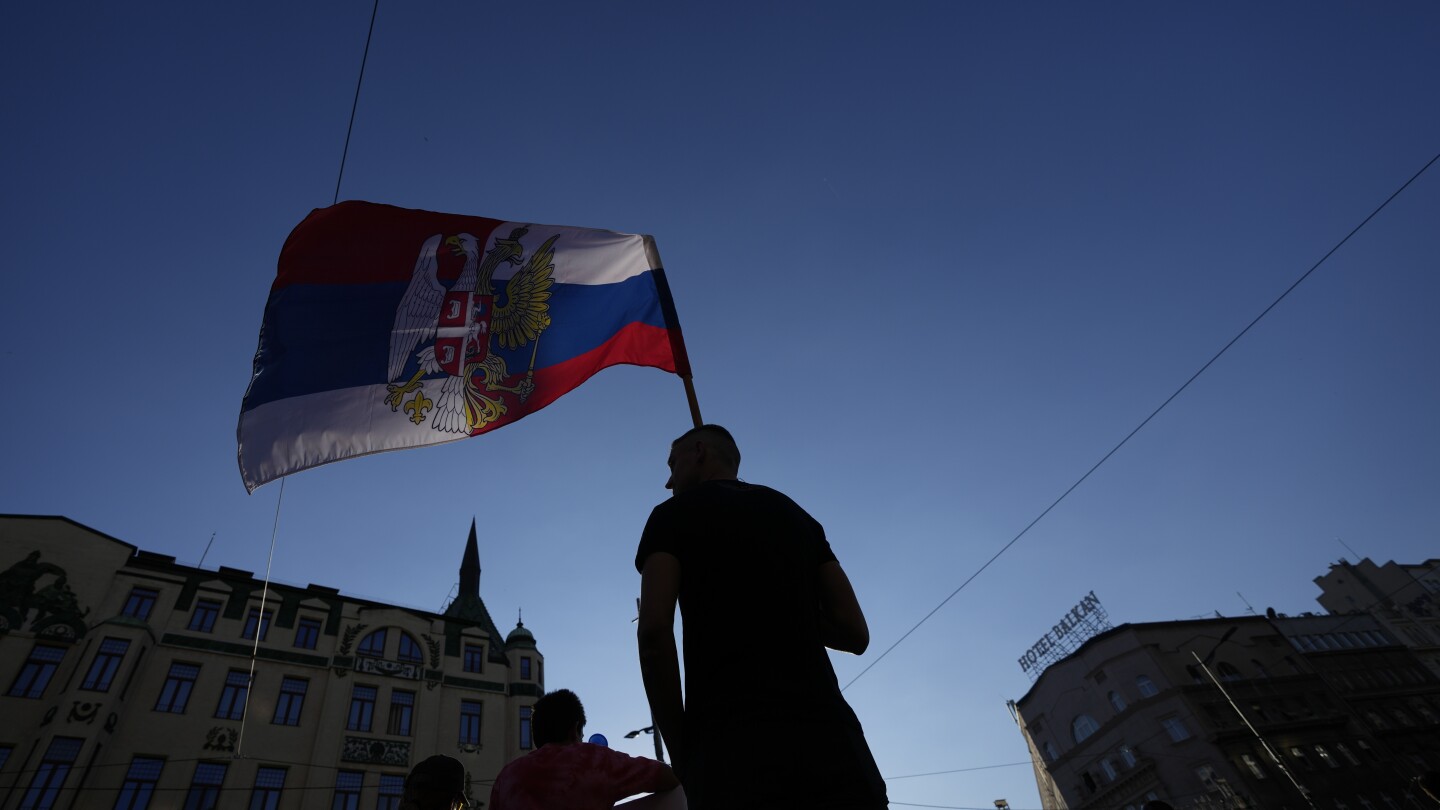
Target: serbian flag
{"type": "Point", "coordinates": [389, 328]}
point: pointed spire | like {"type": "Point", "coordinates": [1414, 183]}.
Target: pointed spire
{"type": "Point", "coordinates": [470, 566]}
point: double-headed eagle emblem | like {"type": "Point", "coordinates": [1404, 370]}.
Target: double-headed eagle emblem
{"type": "Point", "coordinates": [449, 329]}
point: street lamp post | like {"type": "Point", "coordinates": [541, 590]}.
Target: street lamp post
{"type": "Point", "coordinates": [659, 754]}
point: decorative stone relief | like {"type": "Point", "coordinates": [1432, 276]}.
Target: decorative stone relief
{"type": "Point", "coordinates": [220, 738]}
{"type": "Point", "coordinates": [376, 752]}
{"type": "Point", "coordinates": [348, 640]}
{"type": "Point", "coordinates": [57, 613]}
{"type": "Point", "coordinates": [394, 669]}
{"type": "Point", "coordinates": [83, 712]}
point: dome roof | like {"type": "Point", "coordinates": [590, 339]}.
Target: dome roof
{"type": "Point", "coordinates": [520, 637]}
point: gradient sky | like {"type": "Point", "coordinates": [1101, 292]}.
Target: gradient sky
{"type": "Point", "coordinates": [933, 260]}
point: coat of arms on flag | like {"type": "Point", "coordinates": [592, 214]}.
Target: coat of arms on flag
{"type": "Point", "coordinates": [446, 332]}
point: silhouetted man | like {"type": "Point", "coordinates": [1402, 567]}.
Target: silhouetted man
{"type": "Point", "coordinates": [563, 773]}
{"type": "Point", "coordinates": [762, 723]}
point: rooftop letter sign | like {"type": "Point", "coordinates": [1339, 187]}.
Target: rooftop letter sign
{"type": "Point", "coordinates": [1084, 621]}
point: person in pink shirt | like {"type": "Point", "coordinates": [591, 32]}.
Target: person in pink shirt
{"type": "Point", "coordinates": [563, 773]}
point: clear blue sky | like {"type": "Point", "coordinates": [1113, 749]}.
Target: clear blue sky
{"type": "Point", "coordinates": [932, 261]}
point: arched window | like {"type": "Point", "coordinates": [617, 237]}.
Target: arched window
{"type": "Point", "coordinates": [1228, 672]}
{"type": "Point", "coordinates": [1128, 755]}
{"type": "Point", "coordinates": [1083, 726]}
{"type": "Point", "coordinates": [1146, 686]}
{"type": "Point", "coordinates": [1117, 701]}
{"type": "Point", "coordinates": [373, 645]}
{"type": "Point", "coordinates": [409, 650]}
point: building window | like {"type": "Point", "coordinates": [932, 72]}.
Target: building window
{"type": "Point", "coordinates": [525, 712]}
{"type": "Point", "coordinates": [1254, 766]}
{"type": "Point", "coordinates": [409, 649]}
{"type": "Point", "coordinates": [307, 633]}
{"type": "Point", "coordinates": [1228, 671]}
{"type": "Point", "coordinates": [291, 701]}
{"type": "Point", "coordinates": [1127, 755]}
{"type": "Point", "coordinates": [402, 708]}
{"type": "Point", "coordinates": [373, 645]}
{"type": "Point", "coordinates": [1325, 756]}
{"type": "Point", "coordinates": [1145, 686]}
{"type": "Point", "coordinates": [140, 603]}
{"type": "Point", "coordinates": [234, 695]}
{"type": "Point", "coordinates": [1259, 668]}
{"type": "Point", "coordinates": [391, 789]}
{"type": "Point", "coordinates": [5, 755]}
{"type": "Point", "coordinates": [347, 790]}
{"type": "Point", "coordinates": [178, 685]}
{"type": "Point", "coordinates": [1117, 701]}
{"type": "Point", "coordinates": [205, 785]}
{"type": "Point", "coordinates": [1108, 766]}
{"type": "Point", "coordinates": [139, 783]}
{"type": "Point", "coordinates": [474, 658]}
{"type": "Point", "coordinates": [202, 619]}
{"type": "Point", "coordinates": [1367, 750]}
{"type": "Point", "coordinates": [1083, 726]}
{"type": "Point", "coordinates": [36, 673]}
{"type": "Point", "coordinates": [470, 722]}
{"type": "Point", "coordinates": [1345, 752]}
{"type": "Point", "coordinates": [254, 618]}
{"type": "Point", "coordinates": [1299, 754]}
{"type": "Point", "coordinates": [50, 775]}
{"type": "Point", "coordinates": [362, 708]}
{"type": "Point", "coordinates": [106, 664]}
{"type": "Point", "coordinates": [525, 667]}
{"type": "Point", "coordinates": [1175, 727]}
{"type": "Point", "coordinates": [268, 784]}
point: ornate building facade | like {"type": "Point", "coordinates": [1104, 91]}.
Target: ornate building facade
{"type": "Point", "coordinates": [1235, 712]}
{"type": "Point", "coordinates": [134, 682]}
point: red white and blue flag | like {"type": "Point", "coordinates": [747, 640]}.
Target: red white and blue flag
{"type": "Point", "coordinates": [390, 328]}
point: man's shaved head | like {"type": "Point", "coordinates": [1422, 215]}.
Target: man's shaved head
{"type": "Point", "coordinates": [718, 439]}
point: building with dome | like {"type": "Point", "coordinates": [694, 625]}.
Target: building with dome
{"type": "Point", "coordinates": [129, 683]}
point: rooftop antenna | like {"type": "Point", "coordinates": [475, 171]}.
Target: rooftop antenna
{"type": "Point", "coordinates": [1247, 604]}
{"type": "Point", "coordinates": [1347, 548]}
{"type": "Point", "coordinates": [201, 564]}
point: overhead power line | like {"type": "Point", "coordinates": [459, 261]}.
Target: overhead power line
{"type": "Point", "coordinates": [1145, 421]}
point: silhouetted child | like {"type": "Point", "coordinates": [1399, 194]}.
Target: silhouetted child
{"type": "Point", "coordinates": [437, 783]}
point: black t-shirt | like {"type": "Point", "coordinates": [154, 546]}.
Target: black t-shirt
{"type": "Point", "coordinates": [749, 596]}
{"type": "Point", "coordinates": [755, 665]}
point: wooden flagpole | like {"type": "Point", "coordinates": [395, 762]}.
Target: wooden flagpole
{"type": "Point", "coordinates": [672, 325]}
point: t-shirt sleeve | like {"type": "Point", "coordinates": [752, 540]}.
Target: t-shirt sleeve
{"type": "Point", "coordinates": [630, 775]}
{"type": "Point", "coordinates": [822, 551]}
{"type": "Point", "coordinates": [660, 535]}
